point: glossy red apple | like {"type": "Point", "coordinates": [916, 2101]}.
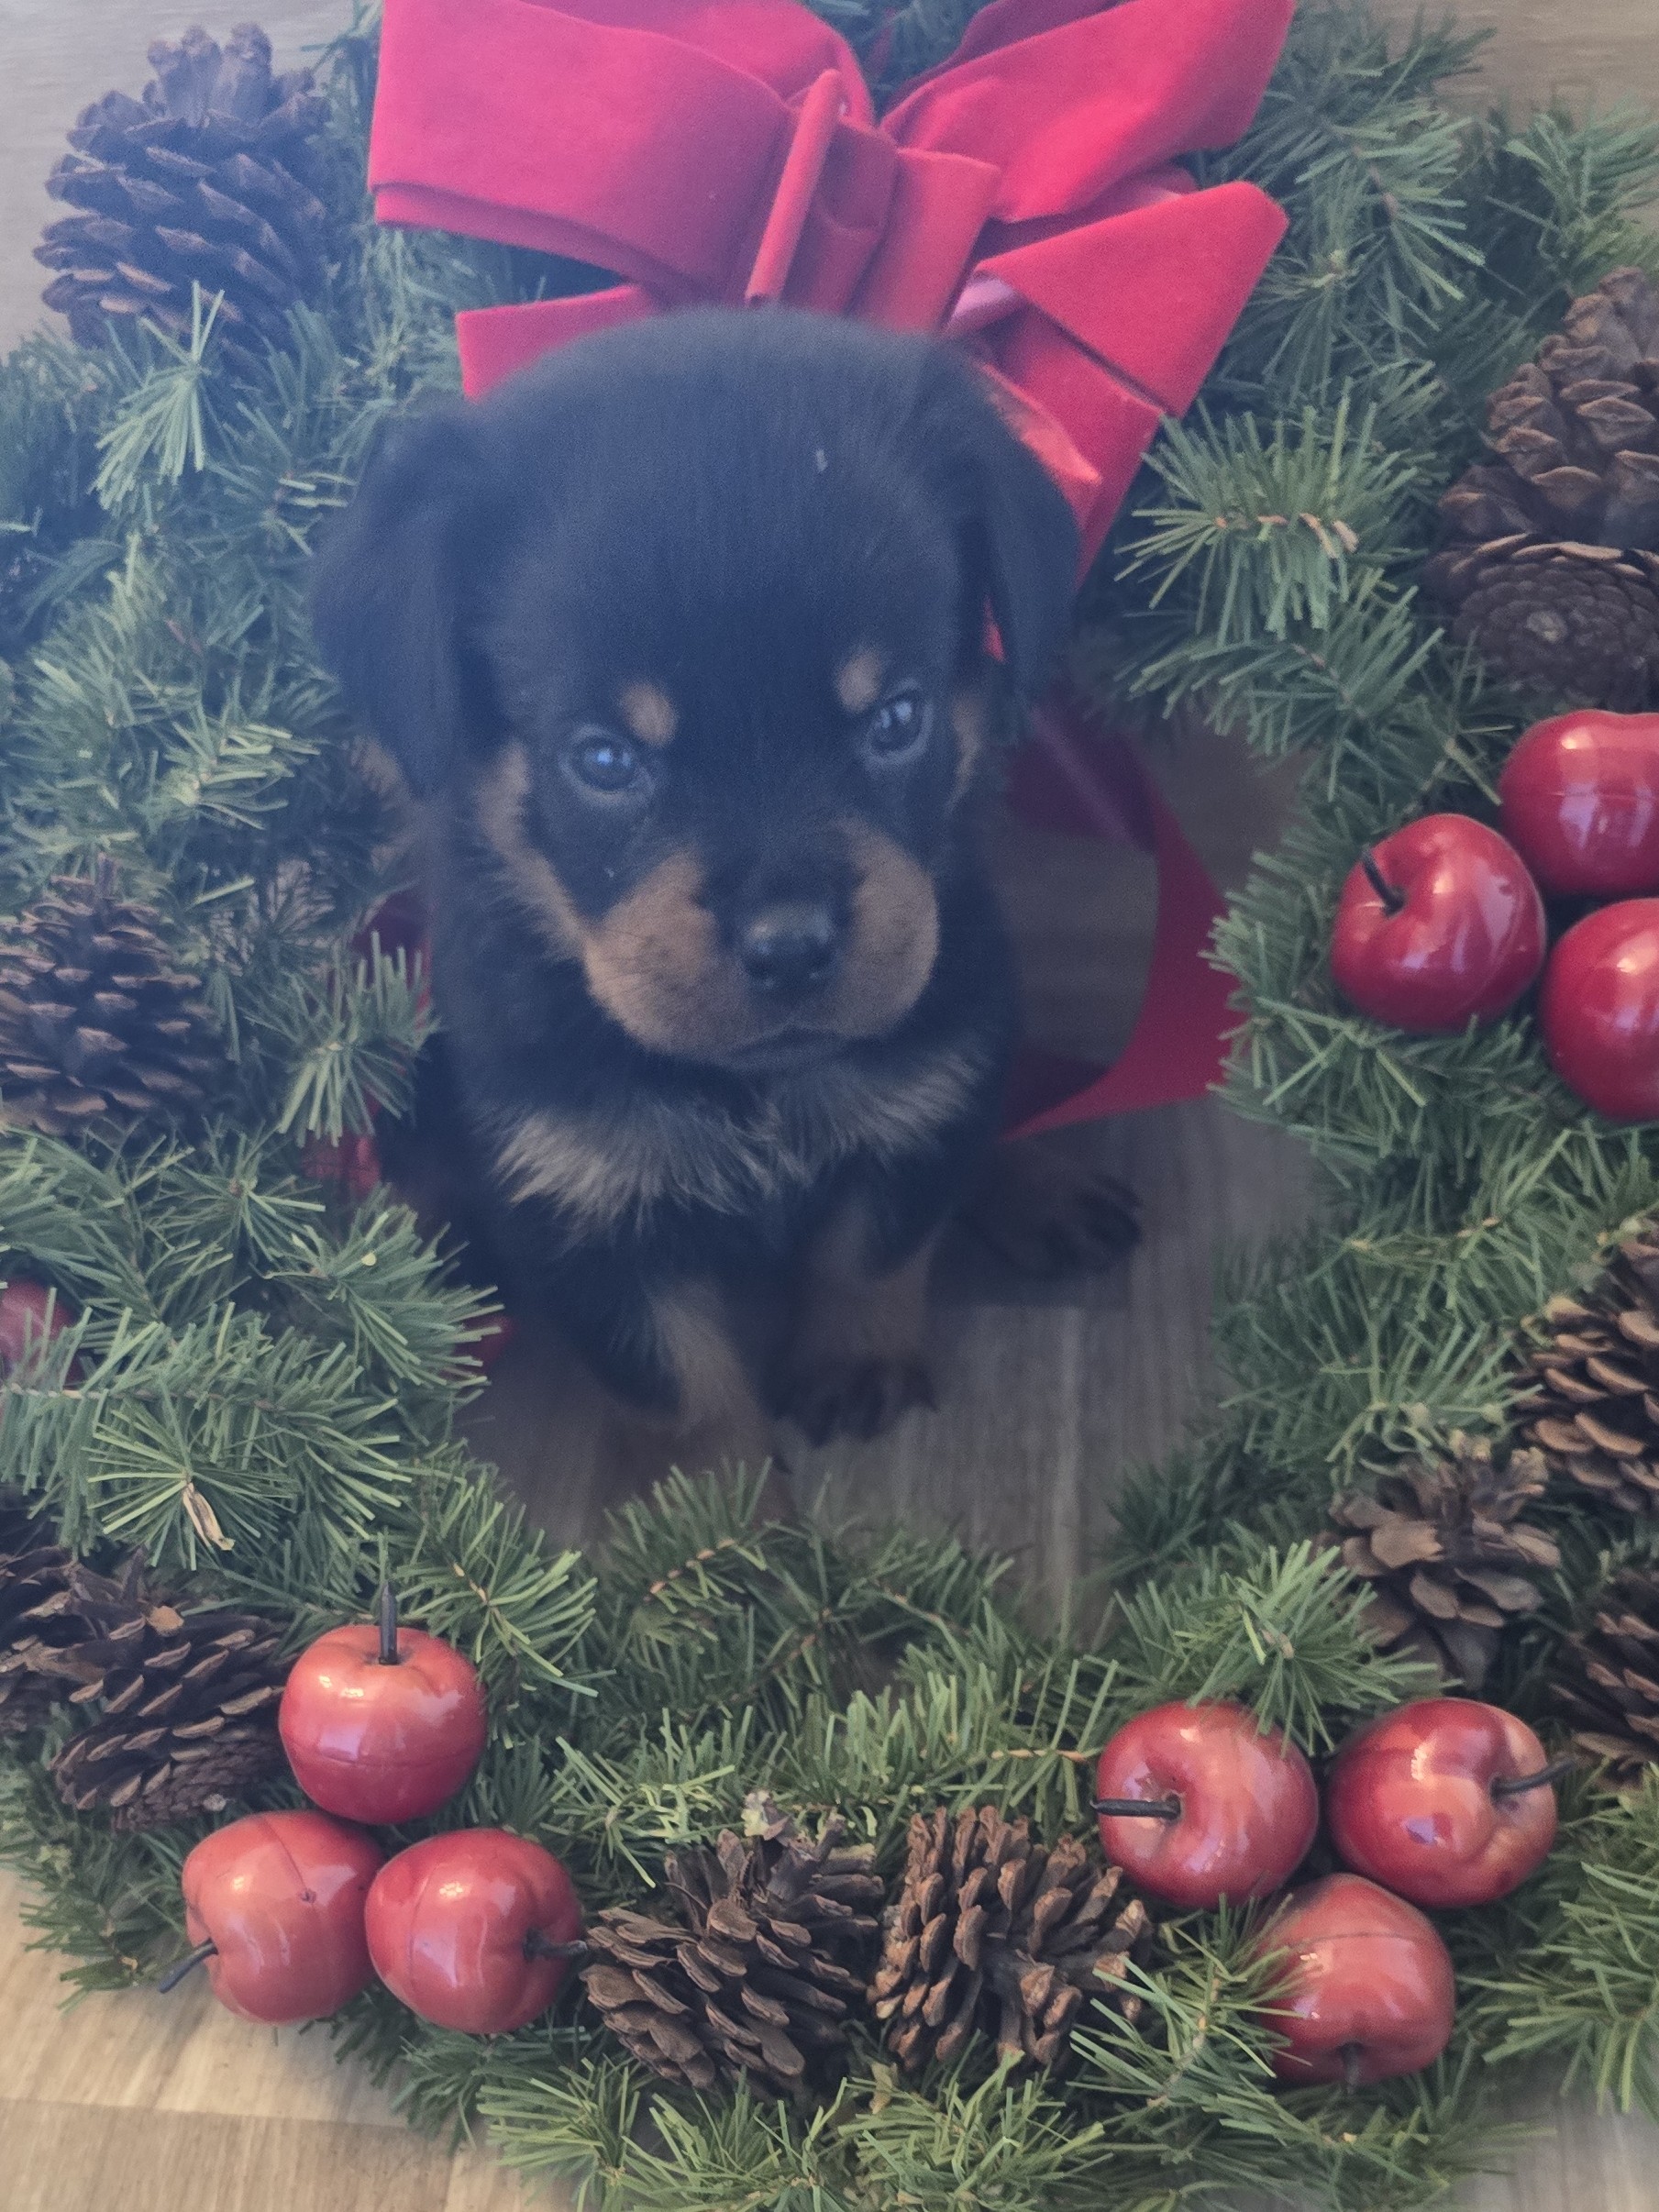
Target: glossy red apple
{"type": "Point", "coordinates": [1438, 925]}
{"type": "Point", "coordinates": [1580, 798]}
{"type": "Point", "coordinates": [1229, 1809]}
{"type": "Point", "coordinates": [475, 1930]}
{"type": "Point", "coordinates": [1363, 1988]}
{"type": "Point", "coordinates": [274, 1905]}
{"type": "Point", "coordinates": [381, 1723]}
{"type": "Point", "coordinates": [1446, 1802]}
{"type": "Point", "coordinates": [1599, 1010]}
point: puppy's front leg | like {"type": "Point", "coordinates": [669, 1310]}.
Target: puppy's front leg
{"type": "Point", "coordinates": [857, 1355]}
{"type": "Point", "coordinates": [716, 1414]}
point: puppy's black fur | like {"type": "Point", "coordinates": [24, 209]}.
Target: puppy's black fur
{"type": "Point", "coordinates": [680, 640]}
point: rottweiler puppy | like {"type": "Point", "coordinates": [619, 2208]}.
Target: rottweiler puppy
{"type": "Point", "coordinates": [683, 643]}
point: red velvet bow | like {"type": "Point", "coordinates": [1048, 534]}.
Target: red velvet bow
{"type": "Point", "coordinates": [1022, 198]}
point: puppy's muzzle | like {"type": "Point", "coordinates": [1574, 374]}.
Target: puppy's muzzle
{"type": "Point", "coordinates": [791, 950]}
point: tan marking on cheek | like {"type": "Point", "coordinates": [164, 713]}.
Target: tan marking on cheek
{"type": "Point", "coordinates": [650, 713]}
{"type": "Point", "coordinates": [970, 720]}
{"type": "Point", "coordinates": [655, 964]}
{"type": "Point", "coordinates": [499, 804]}
{"type": "Point", "coordinates": [858, 680]}
{"type": "Point", "coordinates": [894, 939]}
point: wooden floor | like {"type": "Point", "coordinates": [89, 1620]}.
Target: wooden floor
{"type": "Point", "coordinates": [139, 2104]}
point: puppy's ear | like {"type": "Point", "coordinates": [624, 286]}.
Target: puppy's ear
{"type": "Point", "coordinates": [393, 587]}
{"type": "Point", "coordinates": [1019, 540]}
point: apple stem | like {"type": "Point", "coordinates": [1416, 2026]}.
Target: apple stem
{"type": "Point", "coordinates": [1512, 1786]}
{"type": "Point", "coordinates": [187, 1964]}
{"type": "Point", "coordinates": [388, 1625]}
{"type": "Point", "coordinates": [1138, 1808]}
{"type": "Point", "coordinates": [1392, 897]}
{"type": "Point", "coordinates": [1352, 2056]}
{"type": "Point", "coordinates": [538, 1946]}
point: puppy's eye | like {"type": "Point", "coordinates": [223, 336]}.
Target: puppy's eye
{"type": "Point", "coordinates": [602, 761]}
{"type": "Point", "coordinates": [899, 728]}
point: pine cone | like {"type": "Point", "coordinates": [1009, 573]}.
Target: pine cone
{"type": "Point", "coordinates": [186, 1701]}
{"type": "Point", "coordinates": [34, 1571]}
{"type": "Point", "coordinates": [95, 1020]}
{"type": "Point", "coordinates": [207, 178]}
{"type": "Point", "coordinates": [991, 1929]}
{"type": "Point", "coordinates": [1591, 1392]}
{"type": "Point", "coordinates": [1609, 1684]}
{"type": "Point", "coordinates": [1552, 558]}
{"type": "Point", "coordinates": [759, 1977]}
{"type": "Point", "coordinates": [1449, 1559]}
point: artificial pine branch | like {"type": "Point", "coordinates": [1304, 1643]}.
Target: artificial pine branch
{"type": "Point", "coordinates": [1584, 1989]}
{"type": "Point", "coordinates": [109, 1901]}
{"type": "Point", "coordinates": [594, 2126]}
{"type": "Point", "coordinates": [1284, 1633]}
{"type": "Point", "coordinates": [158, 431]}
{"type": "Point", "coordinates": [1269, 534]}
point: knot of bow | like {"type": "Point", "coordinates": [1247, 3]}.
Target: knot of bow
{"type": "Point", "coordinates": [1023, 196]}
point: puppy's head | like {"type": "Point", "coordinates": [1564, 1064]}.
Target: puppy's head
{"type": "Point", "coordinates": [688, 625]}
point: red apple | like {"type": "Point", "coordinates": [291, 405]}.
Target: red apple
{"type": "Point", "coordinates": [1438, 925]}
{"type": "Point", "coordinates": [1230, 1808]}
{"type": "Point", "coordinates": [1599, 1010]}
{"type": "Point", "coordinates": [1364, 1989]}
{"type": "Point", "coordinates": [381, 1723]}
{"type": "Point", "coordinates": [1580, 799]}
{"type": "Point", "coordinates": [274, 1905]}
{"type": "Point", "coordinates": [1446, 1802]}
{"type": "Point", "coordinates": [30, 1314]}
{"type": "Point", "coordinates": [475, 1930]}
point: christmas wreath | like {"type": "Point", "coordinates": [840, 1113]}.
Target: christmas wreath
{"type": "Point", "coordinates": [812, 1900]}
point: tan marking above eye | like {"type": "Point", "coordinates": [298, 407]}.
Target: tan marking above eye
{"type": "Point", "coordinates": [858, 680]}
{"type": "Point", "coordinates": [648, 712]}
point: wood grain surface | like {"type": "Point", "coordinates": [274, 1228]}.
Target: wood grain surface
{"type": "Point", "coordinates": [1599, 53]}
{"type": "Point", "coordinates": [139, 2104]}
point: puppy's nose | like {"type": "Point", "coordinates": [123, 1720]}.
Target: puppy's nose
{"type": "Point", "coordinates": [791, 948]}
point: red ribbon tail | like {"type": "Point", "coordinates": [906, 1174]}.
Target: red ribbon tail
{"type": "Point", "coordinates": [1097, 784]}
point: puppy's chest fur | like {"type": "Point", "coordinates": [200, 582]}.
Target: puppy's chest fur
{"type": "Point", "coordinates": [645, 1157]}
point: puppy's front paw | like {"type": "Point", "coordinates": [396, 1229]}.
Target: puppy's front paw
{"type": "Point", "coordinates": [853, 1397]}
{"type": "Point", "coordinates": [1047, 1213]}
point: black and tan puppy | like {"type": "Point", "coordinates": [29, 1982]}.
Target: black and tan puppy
{"type": "Point", "coordinates": [680, 639]}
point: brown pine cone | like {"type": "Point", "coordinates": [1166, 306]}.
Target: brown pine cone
{"type": "Point", "coordinates": [1589, 1394]}
{"type": "Point", "coordinates": [34, 1571]}
{"type": "Point", "coordinates": [207, 178]}
{"type": "Point", "coordinates": [1549, 562]}
{"type": "Point", "coordinates": [994, 1932]}
{"type": "Point", "coordinates": [186, 1702]}
{"type": "Point", "coordinates": [1580, 620]}
{"type": "Point", "coordinates": [762, 1971]}
{"type": "Point", "coordinates": [95, 1021]}
{"type": "Point", "coordinates": [1608, 1676]}
{"type": "Point", "coordinates": [1449, 1559]}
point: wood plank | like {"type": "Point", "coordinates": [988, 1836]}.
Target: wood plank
{"type": "Point", "coordinates": [105, 2158]}
{"type": "Point", "coordinates": [1599, 53]}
